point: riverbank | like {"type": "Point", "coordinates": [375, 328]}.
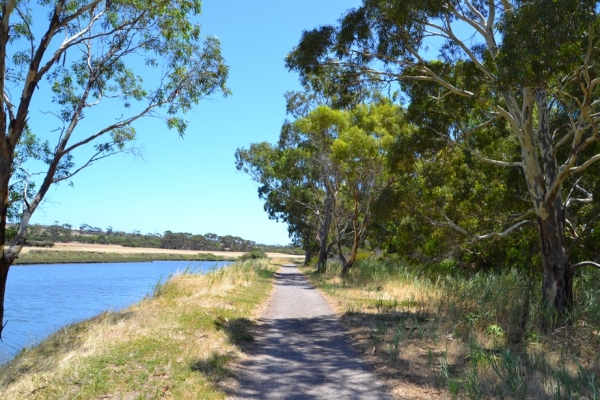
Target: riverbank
{"type": "Point", "coordinates": [37, 256]}
{"type": "Point", "coordinates": [178, 343]}
{"type": "Point", "coordinates": [63, 253]}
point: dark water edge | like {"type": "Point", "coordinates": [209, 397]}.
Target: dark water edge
{"type": "Point", "coordinates": [42, 298]}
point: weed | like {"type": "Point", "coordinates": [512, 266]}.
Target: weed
{"type": "Point", "coordinates": [160, 287]}
{"type": "Point", "coordinates": [394, 345]}
{"type": "Point", "coordinates": [213, 366]}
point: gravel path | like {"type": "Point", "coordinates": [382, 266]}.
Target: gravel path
{"type": "Point", "coordinates": [302, 351]}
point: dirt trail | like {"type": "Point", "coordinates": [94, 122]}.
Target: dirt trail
{"type": "Point", "coordinates": [302, 352]}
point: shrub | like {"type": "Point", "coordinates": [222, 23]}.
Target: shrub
{"type": "Point", "coordinates": [253, 255]}
{"type": "Point", "coordinates": [35, 243]}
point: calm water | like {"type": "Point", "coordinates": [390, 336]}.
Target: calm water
{"type": "Point", "coordinates": [43, 298]}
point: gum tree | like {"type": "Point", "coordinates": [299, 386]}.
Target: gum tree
{"type": "Point", "coordinates": [531, 64]}
{"type": "Point", "coordinates": [86, 57]}
{"type": "Point", "coordinates": [327, 171]}
{"type": "Point", "coordinates": [298, 180]}
{"type": "Point", "coordinates": [361, 153]}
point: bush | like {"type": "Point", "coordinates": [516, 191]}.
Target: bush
{"type": "Point", "coordinates": [253, 255]}
{"type": "Point", "coordinates": [35, 243]}
{"type": "Point", "coordinates": [10, 233]}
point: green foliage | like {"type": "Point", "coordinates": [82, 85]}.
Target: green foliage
{"type": "Point", "coordinates": [494, 330]}
{"type": "Point", "coordinates": [34, 243]}
{"type": "Point", "coordinates": [537, 62]}
{"type": "Point", "coordinates": [168, 240]}
{"type": "Point", "coordinates": [11, 233]}
{"type": "Point", "coordinates": [327, 170]}
{"type": "Point", "coordinates": [442, 180]}
{"type": "Point", "coordinates": [253, 255]}
{"type": "Point", "coordinates": [110, 46]}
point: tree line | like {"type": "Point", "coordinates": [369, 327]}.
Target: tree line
{"type": "Point", "coordinates": [457, 133]}
{"type": "Point", "coordinates": [57, 232]}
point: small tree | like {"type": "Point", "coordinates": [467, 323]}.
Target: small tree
{"type": "Point", "coordinates": [91, 52]}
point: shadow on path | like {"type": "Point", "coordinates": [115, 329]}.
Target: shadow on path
{"type": "Point", "coordinates": [302, 352]}
{"type": "Point", "coordinates": [292, 277]}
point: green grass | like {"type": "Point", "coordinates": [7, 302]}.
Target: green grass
{"type": "Point", "coordinates": [179, 343]}
{"type": "Point", "coordinates": [66, 257]}
{"type": "Point", "coordinates": [254, 255]}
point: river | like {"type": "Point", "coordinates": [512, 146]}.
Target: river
{"type": "Point", "coordinates": [40, 299]}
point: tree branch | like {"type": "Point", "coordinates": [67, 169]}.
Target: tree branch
{"type": "Point", "coordinates": [96, 157]}
{"type": "Point", "coordinates": [477, 238]}
{"type": "Point", "coordinates": [481, 157]}
{"type": "Point", "coordinates": [590, 161]}
{"type": "Point", "coordinates": [585, 228]}
{"type": "Point", "coordinates": [574, 267]}
{"type": "Point", "coordinates": [7, 10]}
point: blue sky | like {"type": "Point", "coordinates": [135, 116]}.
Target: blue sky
{"type": "Point", "coordinates": [191, 184]}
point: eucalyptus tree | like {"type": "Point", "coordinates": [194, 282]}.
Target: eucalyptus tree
{"type": "Point", "coordinates": [297, 177]}
{"type": "Point", "coordinates": [84, 57]}
{"type": "Point", "coordinates": [452, 184]}
{"type": "Point", "coordinates": [360, 153]}
{"type": "Point", "coordinates": [327, 171]}
{"type": "Point", "coordinates": [530, 64]}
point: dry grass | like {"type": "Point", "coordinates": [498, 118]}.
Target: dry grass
{"type": "Point", "coordinates": [176, 344]}
{"type": "Point", "coordinates": [451, 338]}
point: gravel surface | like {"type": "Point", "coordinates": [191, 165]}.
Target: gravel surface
{"type": "Point", "coordinates": [302, 351]}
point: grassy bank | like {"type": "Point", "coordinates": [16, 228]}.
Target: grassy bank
{"type": "Point", "coordinates": [466, 335]}
{"type": "Point", "coordinates": [66, 257]}
{"type": "Point", "coordinates": [178, 343]}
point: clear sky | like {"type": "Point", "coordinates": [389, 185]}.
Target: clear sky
{"type": "Point", "coordinates": [191, 184]}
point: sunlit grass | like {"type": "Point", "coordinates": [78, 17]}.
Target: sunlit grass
{"type": "Point", "coordinates": [178, 343]}
{"type": "Point", "coordinates": [471, 335]}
